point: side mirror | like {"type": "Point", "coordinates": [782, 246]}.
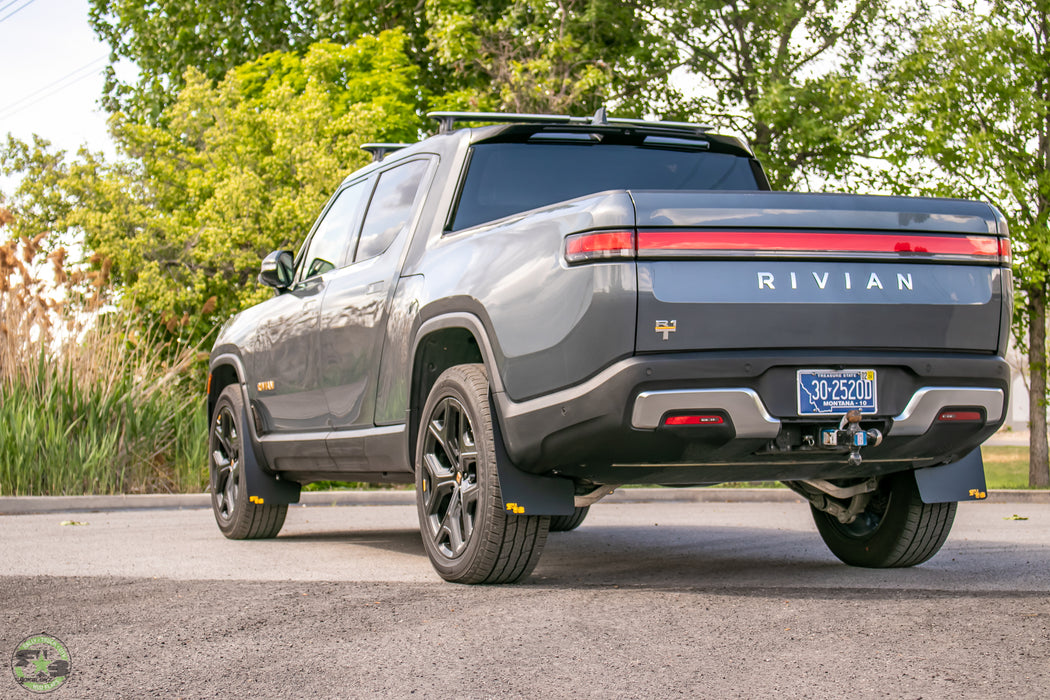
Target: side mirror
{"type": "Point", "coordinates": [278, 268]}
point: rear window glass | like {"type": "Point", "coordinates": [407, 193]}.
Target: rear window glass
{"type": "Point", "coordinates": [506, 178]}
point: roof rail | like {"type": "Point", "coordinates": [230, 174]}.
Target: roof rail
{"type": "Point", "coordinates": [379, 150]}
{"type": "Point", "coordinates": [447, 120]}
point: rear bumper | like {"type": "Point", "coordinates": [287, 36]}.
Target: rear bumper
{"type": "Point", "coordinates": [609, 429]}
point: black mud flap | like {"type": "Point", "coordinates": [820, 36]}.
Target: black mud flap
{"type": "Point", "coordinates": [958, 481]}
{"type": "Point", "coordinates": [530, 494]}
{"type": "Point", "coordinates": [262, 486]}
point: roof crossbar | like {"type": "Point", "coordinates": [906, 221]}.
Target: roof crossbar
{"type": "Point", "coordinates": [379, 150]}
{"type": "Point", "coordinates": [447, 120]}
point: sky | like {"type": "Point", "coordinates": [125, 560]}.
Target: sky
{"type": "Point", "coordinates": [51, 74]}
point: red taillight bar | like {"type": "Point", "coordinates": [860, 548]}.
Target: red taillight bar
{"type": "Point", "coordinates": [603, 245]}
{"type": "Point", "coordinates": [979, 247]}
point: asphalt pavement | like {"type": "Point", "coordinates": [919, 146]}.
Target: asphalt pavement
{"type": "Point", "coordinates": [647, 600]}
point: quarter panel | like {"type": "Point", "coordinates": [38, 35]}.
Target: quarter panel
{"type": "Point", "coordinates": [552, 325]}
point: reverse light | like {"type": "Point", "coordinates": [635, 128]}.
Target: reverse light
{"type": "Point", "coordinates": [694, 420]}
{"type": "Point", "coordinates": [1005, 254]}
{"type": "Point", "coordinates": [599, 245]}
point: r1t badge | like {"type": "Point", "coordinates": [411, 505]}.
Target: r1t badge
{"type": "Point", "coordinates": [666, 327]}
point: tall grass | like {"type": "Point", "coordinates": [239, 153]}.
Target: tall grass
{"type": "Point", "coordinates": [87, 403]}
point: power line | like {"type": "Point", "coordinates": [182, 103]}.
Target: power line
{"type": "Point", "coordinates": [50, 85]}
{"type": "Point", "coordinates": [33, 98]}
{"type": "Point", "coordinates": [15, 11]}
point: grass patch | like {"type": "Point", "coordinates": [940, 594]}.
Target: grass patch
{"type": "Point", "coordinates": [1005, 466]}
{"type": "Point", "coordinates": [356, 486]}
{"type": "Point", "coordinates": [89, 405]}
{"type": "Point", "coordinates": [135, 427]}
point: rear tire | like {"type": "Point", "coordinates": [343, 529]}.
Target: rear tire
{"type": "Point", "coordinates": [468, 535]}
{"type": "Point", "coordinates": [237, 517]}
{"type": "Point", "coordinates": [564, 523]}
{"type": "Point", "coordinates": [896, 529]}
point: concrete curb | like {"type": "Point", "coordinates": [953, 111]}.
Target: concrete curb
{"type": "Point", "coordinates": [25, 505]}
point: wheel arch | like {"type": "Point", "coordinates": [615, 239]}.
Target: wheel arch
{"type": "Point", "coordinates": [441, 343]}
{"type": "Point", "coordinates": [225, 370]}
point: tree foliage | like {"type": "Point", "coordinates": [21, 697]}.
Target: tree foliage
{"type": "Point", "coordinates": [240, 168]}
{"type": "Point", "coordinates": [164, 38]}
{"type": "Point", "coordinates": [791, 76]}
{"type": "Point", "coordinates": [524, 55]}
{"type": "Point", "coordinates": [548, 56]}
{"type": "Point", "coordinates": [975, 100]}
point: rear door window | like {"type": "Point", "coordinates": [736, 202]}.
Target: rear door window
{"type": "Point", "coordinates": [390, 211]}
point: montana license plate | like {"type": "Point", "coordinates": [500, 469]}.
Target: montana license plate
{"type": "Point", "coordinates": [823, 392]}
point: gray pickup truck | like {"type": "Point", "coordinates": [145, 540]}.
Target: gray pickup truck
{"type": "Point", "coordinates": [523, 316]}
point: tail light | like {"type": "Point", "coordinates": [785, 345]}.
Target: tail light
{"type": "Point", "coordinates": [682, 243]}
{"type": "Point", "coordinates": [959, 417]}
{"type": "Point", "coordinates": [599, 245]}
{"type": "Point", "coordinates": [674, 243]}
{"type": "Point", "coordinates": [694, 420]}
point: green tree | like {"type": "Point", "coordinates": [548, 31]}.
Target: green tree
{"type": "Point", "coordinates": [975, 95]}
{"type": "Point", "coordinates": [556, 56]}
{"type": "Point", "coordinates": [240, 168]}
{"type": "Point", "coordinates": [788, 75]}
{"type": "Point", "coordinates": [522, 55]}
{"type": "Point", "coordinates": [165, 38]}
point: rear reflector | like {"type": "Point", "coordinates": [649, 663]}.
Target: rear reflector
{"type": "Point", "coordinates": [978, 248]}
{"type": "Point", "coordinates": [694, 420]}
{"type": "Point", "coordinates": [599, 245]}
{"type": "Point", "coordinates": [959, 416]}
{"type": "Point", "coordinates": [1005, 255]}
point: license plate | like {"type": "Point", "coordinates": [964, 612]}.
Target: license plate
{"type": "Point", "coordinates": [824, 392]}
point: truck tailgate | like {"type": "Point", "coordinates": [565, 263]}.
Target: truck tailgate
{"type": "Point", "coordinates": [784, 270]}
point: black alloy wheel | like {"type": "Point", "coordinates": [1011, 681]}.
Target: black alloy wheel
{"type": "Point", "coordinates": [450, 478]}
{"type": "Point", "coordinates": [467, 532]}
{"type": "Point", "coordinates": [237, 517]}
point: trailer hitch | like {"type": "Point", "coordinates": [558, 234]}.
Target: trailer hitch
{"type": "Point", "coordinates": [850, 434]}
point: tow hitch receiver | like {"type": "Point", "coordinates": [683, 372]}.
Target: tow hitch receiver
{"type": "Point", "coordinates": [850, 434]}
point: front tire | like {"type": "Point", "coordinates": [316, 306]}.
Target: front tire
{"type": "Point", "coordinates": [895, 530]}
{"type": "Point", "coordinates": [468, 535]}
{"type": "Point", "coordinates": [237, 517]}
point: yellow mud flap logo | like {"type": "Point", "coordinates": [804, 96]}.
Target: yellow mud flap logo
{"type": "Point", "coordinates": [515, 508]}
{"type": "Point", "coordinates": [978, 494]}
{"type": "Point", "coordinates": [255, 499]}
